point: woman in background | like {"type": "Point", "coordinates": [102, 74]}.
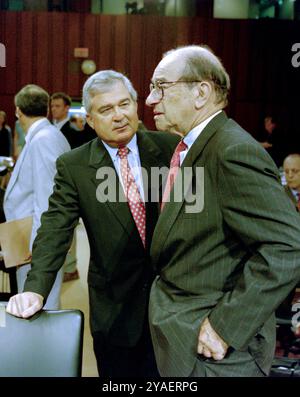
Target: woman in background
{"type": "Point", "coordinates": [5, 136]}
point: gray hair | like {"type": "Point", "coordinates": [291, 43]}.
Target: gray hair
{"type": "Point", "coordinates": [201, 64]}
{"type": "Point", "coordinates": [102, 81]}
{"type": "Point", "coordinates": [33, 100]}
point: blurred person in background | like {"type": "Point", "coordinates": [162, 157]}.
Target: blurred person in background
{"type": "Point", "coordinates": [5, 136]}
{"type": "Point", "coordinates": [291, 168]}
{"type": "Point", "coordinates": [32, 179]}
{"type": "Point", "coordinates": [60, 104]}
{"type": "Point", "coordinates": [19, 139]}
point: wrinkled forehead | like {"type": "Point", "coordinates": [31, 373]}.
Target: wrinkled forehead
{"type": "Point", "coordinates": [170, 68]}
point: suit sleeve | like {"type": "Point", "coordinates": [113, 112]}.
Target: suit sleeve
{"type": "Point", "coordinates": [257, 210]}
{"type": "Point", "coordinates": [55, 233]}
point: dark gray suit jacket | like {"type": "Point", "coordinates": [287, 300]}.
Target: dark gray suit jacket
{"type": "Point", "coordinates": [234, 261]}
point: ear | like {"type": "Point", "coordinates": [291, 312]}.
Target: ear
{"type": "Point", "coordinates": [18, 112]}
{"type": "Point", "coordinates": [204, 92]}
{"type": "Point", "coordinates": [90, 121]}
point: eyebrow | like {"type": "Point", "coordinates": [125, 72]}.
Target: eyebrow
{"type": "Point", "coordinates": [161, 80]}
{"type": "Point", "coordinates": [110, 105]}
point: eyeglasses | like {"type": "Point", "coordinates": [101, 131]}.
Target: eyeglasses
{"type": "Point", "coordinates": [158, 88]}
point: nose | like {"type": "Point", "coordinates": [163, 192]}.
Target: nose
{"type": "Point", "coordinates": [152, 99]}
{"type": "Point", "coordinates": [118, 114]}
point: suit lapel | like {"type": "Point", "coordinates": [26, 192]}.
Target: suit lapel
{"type": "Point", "coordinates": [100, 158]}
{"type": "Point", "coordinates": [151, 158]}
{"type": "Point", "coordinates": [171, 210]}
{"type": "Point", "coordinates": [22, 156]}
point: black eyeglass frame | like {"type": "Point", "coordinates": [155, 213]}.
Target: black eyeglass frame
{"type": "Point", "coordinates": [158, 85]}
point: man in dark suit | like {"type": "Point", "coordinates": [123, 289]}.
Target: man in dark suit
{"type": "Point", "coordinates": [60, 106]}
{"type": "Point", "coordinates": [229, 258]}
{"type": "Point", "coordinates": [88, 184]}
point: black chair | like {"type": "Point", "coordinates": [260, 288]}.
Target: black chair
{"type": "Point", "coordinates": [284, 334]}
{"type": "Point", "coordinates": [49, 344]}
{"type": "Point", "coordinates": [13, 288]}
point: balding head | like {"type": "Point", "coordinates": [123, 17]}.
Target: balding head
{"type": "Point", "coordinates": [189, 85]}
{"type": "Point", "coordinates": [199, 63]}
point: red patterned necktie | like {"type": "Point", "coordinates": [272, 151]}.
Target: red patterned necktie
{"type": "Point", "coordinates": [174, 167]}
{"type": "Point", "coordinates": [135, 202]}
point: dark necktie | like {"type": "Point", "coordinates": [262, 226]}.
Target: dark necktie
{"type": "Point", "coordinates": [135, 202]}
{"type": "Point", "coordinates": [174, 167]}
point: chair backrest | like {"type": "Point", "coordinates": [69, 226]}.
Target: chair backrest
{"type": "Point", "coordinates": [48, 344]}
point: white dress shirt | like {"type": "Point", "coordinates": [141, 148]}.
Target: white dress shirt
{"type": "Point", "coordinates": [190, 138]}
{"type": "Point", "coordinates": [133, 161]}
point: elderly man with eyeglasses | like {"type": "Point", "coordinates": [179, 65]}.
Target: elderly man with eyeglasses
{"type": "Point", "coordinates": [225, 266]}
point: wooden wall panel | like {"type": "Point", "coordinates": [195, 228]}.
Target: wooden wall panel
{"type": "Point", "coordinates": [9, 78]}
{"type": "Point", "coordinates": [256, 53]}
{"type": "Point", "coordinates": [41, 54]}
{"type": "Point", "coordinates": [168, 35]}
{"type": "Point", "coordinates": [239, 81]}
{"type": "Point", "coordinates": [153, 53]}
{"type": "Point", "coordinates": [105, 37]}
{"type": "Point", "coordinates": [247, 114]}
{"type": "Point", "coordinates": [88, 39]}
{"type": "Point", "coordinates": [57, 69]}
{"type": "Point", "coordinates": [215, 35]}
{"type": "Point", "coordinates": [136, 54]}
{"type": "Point", "coordinates": [72, 22]}
{"type": "Point", "coordinates": [184, 31]}
{"type": "Point", "coordinates": [228, 52]}
{"type": "Point", "coordinates": [120, 43]}
{"type": "Point", "coordinates": [199, 30]}
{"type": "Point", "coordinates": [25, 48]}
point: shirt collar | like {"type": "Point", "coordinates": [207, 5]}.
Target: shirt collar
{"type": "Point", "coordinates": [190, 138]}
{"type": "Point", "coordinates": [113, 151]}
{"type": "Point", "coordinates": [59, 124]}
{"type": "Point", "coordinates": [32, 127]}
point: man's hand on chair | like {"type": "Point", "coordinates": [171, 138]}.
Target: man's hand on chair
{"type": "Point", "coordinates": [25, 305]}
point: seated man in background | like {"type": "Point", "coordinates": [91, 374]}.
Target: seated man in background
{"type": "Point", "coordinates": [32, 179]}
{"type": "Point", "coordinates": [291, 168]}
